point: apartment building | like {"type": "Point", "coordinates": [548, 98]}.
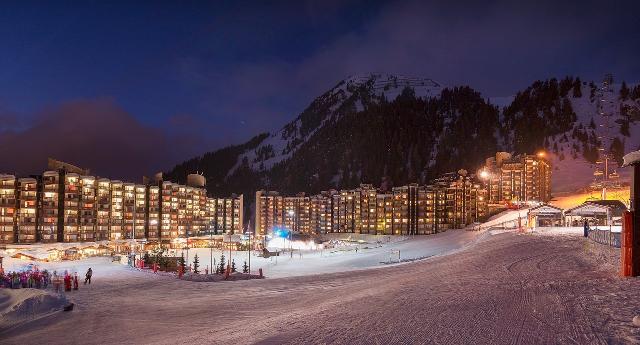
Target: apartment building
{"type": "Point", "coordinates": [452, 201]}
{"type": "Point", "coordinates": [320, 212]}
{"type": "Point", "coordinates": [27, 212]}
{"type": "Point", "coordinates": [8, 208]}
{"type": "Point", "coordinates": [87, 209]}
{"type": "Point", "coordinates": [269, 211]}
{"type": "Point", "coordinates": [103, 209]}
{"type": "Point", "coordinates": [153, 213]}
{"type": "Point", "coordinates": [140, 212]}
{"type": "Point", "coordinates": [116, 218]}
{"type": "Point", "coordinates": [520, 178]}
{"type": "Point", "coordinates": [66, 206]}
{"type": "Point", "coordinates": [49, 207]}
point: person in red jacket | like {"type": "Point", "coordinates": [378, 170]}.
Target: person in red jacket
{"type": "Point", "coordinates": [67, 282]}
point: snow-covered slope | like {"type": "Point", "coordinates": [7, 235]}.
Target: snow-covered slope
{"type": "Point", "coordinates": [571, 170]}
{"type": "Point", "coordinates": [355, 92]}
{"type": "Point", "coordinates": [355, 133]}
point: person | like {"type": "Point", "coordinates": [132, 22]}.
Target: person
{"type": "Point", "coordinates": [586, 228]}
{"type": "Point", "coordinates": [67, 281]}
{"type": "Point", "coordinates": [88, 276]}
{"type": "Point", "coordinates": [75, 280]}
{"type": "Point", "coordinates": [56, 281]}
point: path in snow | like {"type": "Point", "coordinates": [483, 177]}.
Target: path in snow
{"type": "Point", "coordinates": [506, 289]}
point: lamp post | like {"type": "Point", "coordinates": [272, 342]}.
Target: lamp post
{"type": "Point", "coordinates": [211, 249]}
{"type": "Point", "coordinates": [249, 231]}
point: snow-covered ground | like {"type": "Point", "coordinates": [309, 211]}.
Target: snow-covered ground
{"type": "Point", "coordinates": [508, 288]}
{"type": "Point", "coordinates": [377, 252]}
{"type": "Point", "coordinates": [496, 285]}
{"type": "Point", "coordinates": [23, 305]}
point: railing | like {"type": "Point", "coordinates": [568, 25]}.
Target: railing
{"type": "Point", "coordinates": [608, 237]}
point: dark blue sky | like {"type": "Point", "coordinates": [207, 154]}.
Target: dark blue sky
{"type": "Point", "coordinates": [182, 78]}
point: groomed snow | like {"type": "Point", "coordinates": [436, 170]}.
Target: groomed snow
{"type": "Point", "coordinates": [504, 289]}
{"type": "Point", "coordinates": [22, 305]}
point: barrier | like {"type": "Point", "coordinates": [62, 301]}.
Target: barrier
{"type": "Point", "coordinates": [606, 237]}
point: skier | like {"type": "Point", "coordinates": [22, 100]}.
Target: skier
{"type": "Point", "coordinates": [88, 276]}
{"type": "Point", "coordinates": [75, 281]}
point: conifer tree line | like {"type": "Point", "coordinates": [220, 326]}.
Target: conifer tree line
{"type": "Point", "coordinates": [368, 139]}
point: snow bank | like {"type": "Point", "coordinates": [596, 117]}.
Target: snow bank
{"type": "Point", "coordinates": [22, 305]}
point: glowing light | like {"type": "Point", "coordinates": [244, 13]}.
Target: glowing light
{"type": "Point", "coordinates": [542, 154]}
{"type": "Point", "coordinates": [484, 174]}
{"type": "Point", "coordinates": [281, 243]}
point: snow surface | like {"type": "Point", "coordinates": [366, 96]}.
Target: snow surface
{"type": "Point", "coordinates": [293, 263]}
{"type": "Point", "coordinates": [22, 305]}
{"type": "Point", "coordinates": [504, 289]}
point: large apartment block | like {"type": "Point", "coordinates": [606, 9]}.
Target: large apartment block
{"type": "Point", "coordinates": [8, 208]}
{"type": "Point", "coordinates": [520, 178]}
{"type": "Point", "coordinates": [453, 201]}
{"type": "Point", "coordinates": [70, 206]}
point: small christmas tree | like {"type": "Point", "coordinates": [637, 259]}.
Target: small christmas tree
{"type": "Point", "coordinates": [196, 265]}
{"type": "Point", "coordinates": [181, 263]}
{"type": "Point", "coordinates": [233, 266]}
{"type": "Point", "coordinates": [221, 266]}
{"type": "Point", "coordinates": [245, 268]}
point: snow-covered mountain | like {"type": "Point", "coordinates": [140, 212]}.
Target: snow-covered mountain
{"type": "Point", "coordinates": [573, 145]}
{"type": "Point", "coordinates": [391, 130]}
{"type": "Point", "coordinates": [352, 94]}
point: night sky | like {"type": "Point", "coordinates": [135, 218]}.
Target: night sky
{"type": "Point", "coordinates": [130, 88]}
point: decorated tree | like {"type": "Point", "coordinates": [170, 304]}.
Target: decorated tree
{"type": "Point", "coordinates": [196, 265]}
{"type": "Point", "coordinates": [233, 266]}
{"type": "Point", "coordinates": [245, 268]}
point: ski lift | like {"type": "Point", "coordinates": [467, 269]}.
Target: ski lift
{"type": "Point", "coordinates": [599, 161]}
{"type": "Point", "coordinates": [598, 172]}
{"type": "Point", "coordinates": [614, 175]}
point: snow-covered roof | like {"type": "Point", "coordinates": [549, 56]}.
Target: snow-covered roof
{"type": "Point", "coordinates": [545, 209]}
{"type": "Point", "coordinates": [615, 207]}
{"type": "Point", "coordinates": [631, 158]}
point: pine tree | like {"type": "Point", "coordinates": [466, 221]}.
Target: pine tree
{"type": "Point", "coordinates": [182, 263]}
{"type": "Point", "coordinates": [233, 266]}
{"type": "Point", "coordinates": [221, 266]}
{"type": "Point", "coordinates": [245, 268]}
{"type": "Point", "coordinates": [196, 265]}
{"type": "Point", "coordinates": [624, 91]}
{"type": "Point", "coordinates": [577, 88]}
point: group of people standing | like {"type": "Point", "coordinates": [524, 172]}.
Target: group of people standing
{"type": "Point", "coordinates": [36, 279]}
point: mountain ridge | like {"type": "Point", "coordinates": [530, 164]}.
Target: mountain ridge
{"type": "Point", "coordinates": [390, 130]}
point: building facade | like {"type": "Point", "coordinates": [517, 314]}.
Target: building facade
{"type": "Point", "coordinates": [513, 179]}
{"type": "Point", "coordinates": [453, 201]}
{"type": "Point", "coordinates": [63, 206]}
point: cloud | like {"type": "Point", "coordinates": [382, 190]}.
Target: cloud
{"type": "Point", "coordinates": [497, 47]}
{"type": "Point", "coordinates": [94, 134]}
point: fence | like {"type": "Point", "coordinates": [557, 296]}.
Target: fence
{"type": "Point", "coordinates": [608, 237]}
